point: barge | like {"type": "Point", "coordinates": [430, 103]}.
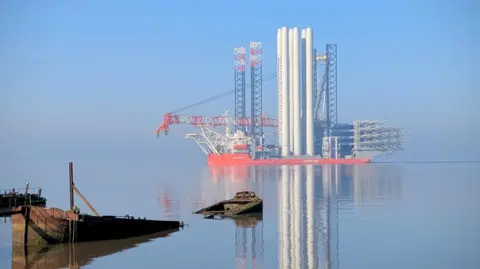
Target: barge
{"type": "Point", "coordinates": [42, 226]}
{"type": "Point", "coordinates": [33, 225]}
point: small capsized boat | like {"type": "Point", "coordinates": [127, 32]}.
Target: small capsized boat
{"type": "Point", "coordinates": [244, 202]}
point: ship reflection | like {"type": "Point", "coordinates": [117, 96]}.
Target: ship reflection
{"type": "Point", "coordinates": [73, 255]}
{"type": "Point", "coordinates": [223, 182]}
{"type": "Point", "coordinates": [309, 200]}
{"type": "Point", "coordinates": [253, 225]}
{"type": "Point", "coordinates": [249, 229]}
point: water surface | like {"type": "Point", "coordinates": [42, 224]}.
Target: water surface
{"type": "Point", "coordinates": [365, 216]}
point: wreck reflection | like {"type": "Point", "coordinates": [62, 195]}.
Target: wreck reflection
{"type": "Point", "coordinates": [222, 183]}
{"type": "Point", "coordinates": [73, 255]}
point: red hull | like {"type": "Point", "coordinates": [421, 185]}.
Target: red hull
{"type": "Point", "coordinates": [244, 159]}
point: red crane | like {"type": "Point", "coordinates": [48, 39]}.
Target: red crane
{"type": "Point", "coordinates": [172, 118]}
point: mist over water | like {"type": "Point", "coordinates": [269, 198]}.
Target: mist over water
{"type": "Point", "coordinates": [365, 216]}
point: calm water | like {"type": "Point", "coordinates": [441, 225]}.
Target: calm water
{"type": "Point", "coordinates": [369, 216]}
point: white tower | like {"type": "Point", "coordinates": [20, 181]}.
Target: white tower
{"type": "Point", "coordinates": [297, 121]}
{"type": "Point", "coordinates": [309, 106]}
{"type": "Point", "coordinates": [285, 92]}
{"type": "Point", "coordinates": [295, 91]}
{"type": "Point", "coordinates": [291, 86]}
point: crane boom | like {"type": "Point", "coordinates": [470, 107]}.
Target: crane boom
{"type": "Point", "coordinates": [219, 95]}
{"type": "Point", "coordinates": [174, 118]}
{"type": "Point", "coordinates": [228, 93]}
{"type": "Point", "coordinates": [171, 118]}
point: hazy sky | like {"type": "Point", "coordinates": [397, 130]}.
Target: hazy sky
{"type": "Point", "coordinates": [100, 74]}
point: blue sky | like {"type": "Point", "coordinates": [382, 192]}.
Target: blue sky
{"type": "Point", "coordinates": [100, 74]}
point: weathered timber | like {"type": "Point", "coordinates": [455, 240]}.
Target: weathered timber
{"type": "Point", "coordinates": [37, 226]}
{"type": "Point", "coordinates": [73, 255]}
{"type": "Point", "coordinates": [244, 202]}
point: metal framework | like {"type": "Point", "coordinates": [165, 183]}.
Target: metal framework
{"type": "Point", "coordinates": [331, 86]}
{"type": "Point", "coordinates": [320, 90]}
{"type": "Point", "coordinates": [319, 101]}
{"type": "Point", "coordinates": [239, 89]}
{"type": "Point", "coordinates": [209, 140]}
{"type": "Point", "coordinates": [315, 81]}
{"type": "Point", "coordinates": [256, 86]}
{"type": "Point", "coordinates": [170, 118]}
{"type": "Point", "coordinates": [373, 137]}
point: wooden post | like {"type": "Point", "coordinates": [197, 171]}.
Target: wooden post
{"type": "Point", "coordinates": [26, 193]}
{"type": "Point", "coordinates": [26, 189]}
{"type": "Point", "coordinates": [74, 189]}
{"type": "Point", "coordinates": [70, 185]}
{"type": "Point", "coordinates": [86, 201]}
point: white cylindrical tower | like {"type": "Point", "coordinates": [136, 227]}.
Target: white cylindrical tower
{"type": "Point", "coordinates": [290, 79]}
{"type": "Point", "coordinates": [279, 86]}
{"type": "Point", "coordinates": [285, 93]}
{"type": "Point", "coordinates": [297, 135]}
{"type": "Point", "coordinates": [302, 89]}
{"type": "Point", "coordinates": [309, 106]}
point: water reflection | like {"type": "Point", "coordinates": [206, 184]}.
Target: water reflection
{"type": "Point", "coordinates": [5, 220]}
{"type": "Point", "coordinates": [252, 225]}
{"type": "Point", "coordinates": [306, 207]}
{"type": "Point", "coordinates": [368, 186]}
{"type": "Point", "coordinates": [222, 183]}
{"type": "Point", "coordinates": [73, 255]}
{"type": "Point", "coordinates": [171, 206]}
{"type": "Point", "coordinates": [310, 198]}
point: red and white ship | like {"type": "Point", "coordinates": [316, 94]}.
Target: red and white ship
{"type": "Point", "coordinates": [235, 148]}
{"type": "Point", "coordinates": [307, 113]}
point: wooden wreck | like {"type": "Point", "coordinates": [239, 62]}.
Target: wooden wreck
{"type": "Point", "coordinates": [34, 225]}
{"type": "Point", "coordinates": [11, 199]}
{"type": "Point", "coordinates": [245, 202]}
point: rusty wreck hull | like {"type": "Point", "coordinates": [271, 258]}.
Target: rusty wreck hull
{"type": "Point", "coordinates": [232, 208]}
{"type": "Point", "coordinates": [244, 202]}
{"type": "Point", "coordinates": [43, 226]}
{"type": "Point", "coordinates": [254, 207]}
{"type": "Point", "coordinates": [9, 203]}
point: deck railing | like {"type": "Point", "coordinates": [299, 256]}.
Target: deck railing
{"type": "Point", "coordinates": [21, 191]}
